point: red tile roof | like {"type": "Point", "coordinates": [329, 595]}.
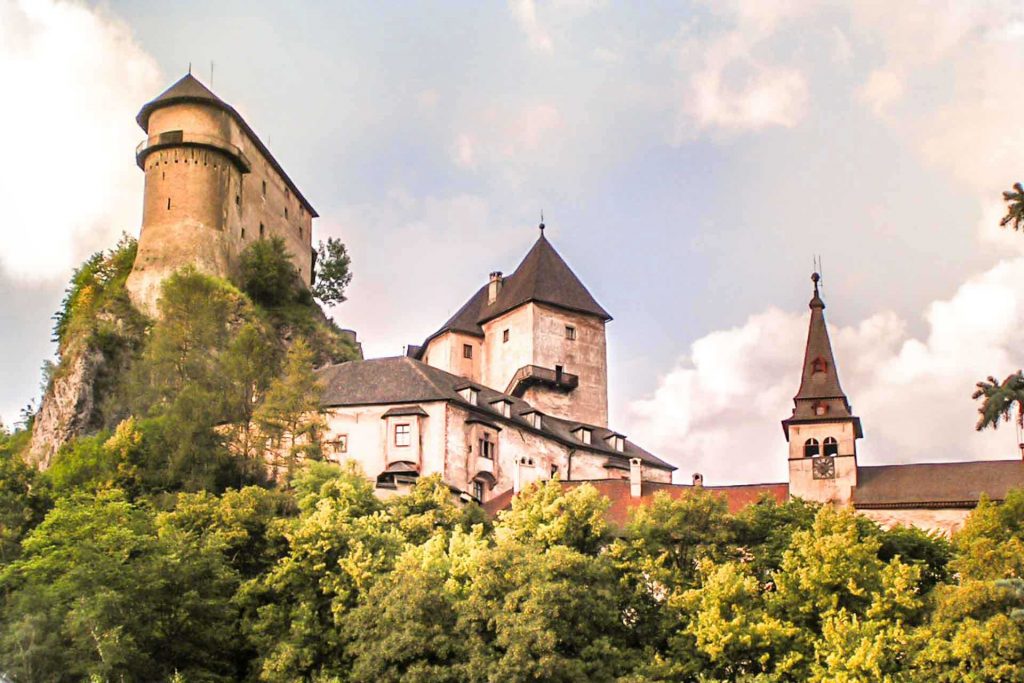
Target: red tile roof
{"type": "Point", "coordinates": [622, 504]}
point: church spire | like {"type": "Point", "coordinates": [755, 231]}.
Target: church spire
{"type": "Point", "coordinates": [820, 397]}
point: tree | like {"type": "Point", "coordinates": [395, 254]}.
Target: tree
{"type": "Point", "coordinates": [267, 273]}
{"type": "Point", "coordinates": [291, 408]}
{"type": "Point", "coordinates": [999, 400]}
{"type": "Point", "coordinates": [1014, 207]}
{"type": "Point", "coordinates": [333, 272]}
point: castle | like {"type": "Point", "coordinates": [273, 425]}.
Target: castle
{"type": "Point", "coordinates": [212, 188]}
{"type": "Point", "coordinates": [513, 388]}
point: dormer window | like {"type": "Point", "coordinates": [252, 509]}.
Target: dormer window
{"type": "Point", "coordinates": [535, 419]}
{"type": "Point", "coordinates": [811, 448]}
{"type": "Point", "coordinates": [470, 395]}
{"type": "Point", "coordinates": [818, 365]}
{"type": "Point", "coordinates": [820, 408]}
{"type": "Point", "coordinates": [617, 442]}
{"type": "Point", "coordinates": [585, 435]}
{"type": "Point", "coordinates": [831, 446]}
{"type": "Point", "coordinates": [504, 407]}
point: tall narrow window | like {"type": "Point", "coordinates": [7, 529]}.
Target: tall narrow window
{"type": "Point", "coordinates": [504, 334]}
{"type": "Point", "coordinates": [478, 490]}
{"type": "Point", "coordinates": [831, 446]}
{"type": "Point", "coordinates": [487, 447]}
{"type": "Point", "coordinates": [261, 231]}
{"type": "Point", "coordinates": [467, 350]}
{"type": "Point", "coordinates": [168, 203]}
{"type": "Point", "coordinates": [403, 435]}
{"type": "Point", "coordinates": [570, 333]}
{"type": "Point", "coordinates": [238, 200]}
{"type": "Point", "coordinates": [243, 233]}
{"type": "Point", "coordinates": [286, 212]}
{"type": "Point", "coordinates": [811, 448]}
{"type": "Point", "coordinates": [264, 188]}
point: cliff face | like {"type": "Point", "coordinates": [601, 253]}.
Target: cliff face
{"type": "Point", "coordinates": [69, 407]}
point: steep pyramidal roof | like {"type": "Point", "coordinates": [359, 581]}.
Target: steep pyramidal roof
{"type": "Point", "coordinates": [820, 397]}
{"type": "Point", "coordinates": [542, 277]}
{"type": "Point", "coordinates": [187, 89]}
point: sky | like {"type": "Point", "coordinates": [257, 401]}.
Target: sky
{"type": "Point", "coordinates": [690, 158]}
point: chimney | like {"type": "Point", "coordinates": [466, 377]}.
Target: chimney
{"type": "Point", "coordinates": [636, 484]}
{"type": "Point", "coordinates": [698, 479]}
{"type": "Point", "coordinates": [494, 286]}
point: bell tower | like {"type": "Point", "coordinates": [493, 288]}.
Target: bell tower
{"type": "Point", "coordinates": [822, 431]}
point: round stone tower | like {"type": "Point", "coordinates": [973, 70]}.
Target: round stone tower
{"type": "Point", "coordinates": [212, 188]}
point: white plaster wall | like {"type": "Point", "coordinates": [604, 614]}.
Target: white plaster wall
{"type": "Point", "coordinates": [446, 353]}
{"type": "Point", "coordinates": [946, 521]}
{"type": "Point", "coordinates": [802, 483]}
{"type": "Point", "coordinates": [500, 360]}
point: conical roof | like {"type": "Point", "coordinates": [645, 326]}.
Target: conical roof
{"type": "Point", "coordinates": [820, 397]}
{"type": "Point", "coordinates": [543, 276]}
{"type": "Point", "coordinates": [187, 89]}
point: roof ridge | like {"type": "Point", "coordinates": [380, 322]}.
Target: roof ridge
{"type": "Point", "coordinates": [416, 365]}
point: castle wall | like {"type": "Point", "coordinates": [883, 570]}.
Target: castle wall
{"type": "Point", "coordinates": [447, 442]}
{"type": "Point", "coordinates": [500, 359]}
{"type": "Point", "coordinates": [946, 521]}
{"type": "Point", "coordinates": [585, 356]}
{"type": "Point", "coordinates": [446, 352]}
{"type": "Point", "coordinates": [216, 209]}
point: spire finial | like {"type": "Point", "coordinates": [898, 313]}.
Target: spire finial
{"type": "Point", "coordinates": [542, 221]}
{"type": "Point", "coordinates": [190, 68]}
{"type": "Point", "coordinates": [815, 278]}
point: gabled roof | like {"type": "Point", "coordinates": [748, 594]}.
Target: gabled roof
{"type": "Point", "coordinates": [404, 381]}
{"type": "Point", "coordinates": [819, 379]}
{"type": "Point", "coordinates": [188, 89]}
{"type": "Point", "coordinates": [542, 277]}
{"type": "Point", "coordinates": [948, 484]}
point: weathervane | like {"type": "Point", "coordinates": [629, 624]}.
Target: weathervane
{"type": "Point", "coordinates": [542, 221]}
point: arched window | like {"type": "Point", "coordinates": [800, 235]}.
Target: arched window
{"type": "Point", "coordinates": [818, 365]}
{"type": "Point", "coordinates": [811, 448]}
{"type": "Point", "coordinates": [831, 446]}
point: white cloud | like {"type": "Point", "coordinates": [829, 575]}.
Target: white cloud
{"type": "Point", "coordinates": [718, 410]}
{"type": "Point", "coordinates": [74, 78]}
{"type": "Point", "coordinates": [882, 89]}
{"type": "Point", "coordinates": [525, 13]}
{"type": "Point", "coordinates": [499, 137]}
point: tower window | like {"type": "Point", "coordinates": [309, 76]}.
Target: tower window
{"type": "Point", "coordinates": [262, 231]}
{"type": "Point", "coordinates": [487, 447]}
{"type": "Point", "coordinates": [243, 233]}
{"type": "Point", "coordinates": [831, 446]}
{"type": "Point", "coordinates": [570, 333]}
{"type": "Point", "coordinates": [264, 188]}
{"type": "Point", "coordinates": [168, 203]}
{"type": "Point", "coordinates": [238, 200]}
{"type": "Point", "coordinates": [286, 212]}
{"type": "Point", "coordinates": [403, 435]}
{"type": "Point", "coordinates": [811, 448]}
{"type": "Point", "coordinates": [818, 365]}
{"type": "Point", "coordinates": [467, 351]}
{"type": "Point", "coordinates": [820, 408]}
{"type": "Point", "coordinates": [504, 336]}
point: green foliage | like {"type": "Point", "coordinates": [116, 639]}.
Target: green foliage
{"type": "Point", "coordinates": [290, 412]}
{"type": "Point", "coordinates": [999, 399]}
{"type": "Point", "coordinates": [23, 498]}
{"type": "Point", "coordinates": [267, 274]}
{"type": "Point", "coordinates": [1014, 207]}
{"type": "Point", "coordinates": [333, 272]}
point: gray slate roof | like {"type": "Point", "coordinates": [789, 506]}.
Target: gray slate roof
{"type": "Point", "coordinates": [946, 484]}
{"type": "Point", "coordinates": [543, 277]}
{"type": "Point", "coordinates": [404, 381]}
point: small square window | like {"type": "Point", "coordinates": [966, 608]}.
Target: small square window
{"type": "Point", "coordinates": [570, 332]}
{"type": "Point", "coordinates": [504, 336]}
{"type": "Point", "coordinates": [467, 350]}
{"type": "Point", "coordinates": [340, 444]}
{"type": "Point", "coordinates": [403, 435]}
